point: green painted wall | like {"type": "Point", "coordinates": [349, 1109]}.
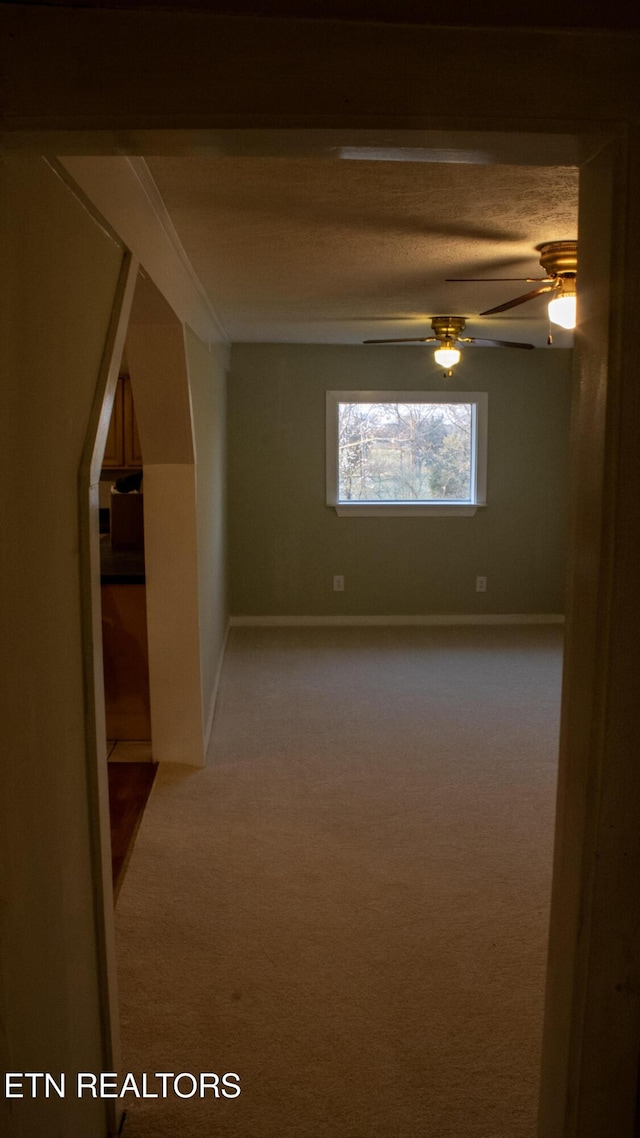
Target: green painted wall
{"type": "Point", "coordinates": [285, 543]}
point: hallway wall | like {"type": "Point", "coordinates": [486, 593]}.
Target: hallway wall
{"type": "Point", "coordinates": [123, 194]}
{"type": "Point", "coordinates": [61, 274]}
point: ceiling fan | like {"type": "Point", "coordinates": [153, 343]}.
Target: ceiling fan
{"type": "Point", "coordinates": [447, 331]}
{"type": "Point", "coordinates": [559, 259]}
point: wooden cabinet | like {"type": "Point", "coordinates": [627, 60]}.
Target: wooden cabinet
{"type": "Point", "coordinates": [123, 451]}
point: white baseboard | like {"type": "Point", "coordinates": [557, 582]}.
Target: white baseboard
{"type": "Point", "coordinates": [214, 691]}
{"type": "Point", "coordinates": [419, 619]}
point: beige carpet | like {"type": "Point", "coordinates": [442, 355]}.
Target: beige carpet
{"type": "Point", "coordinates": [349, 906]}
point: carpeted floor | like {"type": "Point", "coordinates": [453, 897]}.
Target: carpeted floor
{"type": "Point", "coordinates": [348, 907]}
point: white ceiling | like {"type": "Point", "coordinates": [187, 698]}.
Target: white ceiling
{"type": "Point", "coordinates": [308, 249]}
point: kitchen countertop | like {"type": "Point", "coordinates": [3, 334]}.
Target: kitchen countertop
{"type": "Point", "coordinates": [120, 566]}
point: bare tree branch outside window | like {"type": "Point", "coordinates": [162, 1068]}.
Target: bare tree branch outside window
{"type": "Point", "coordinates": [404, 452]}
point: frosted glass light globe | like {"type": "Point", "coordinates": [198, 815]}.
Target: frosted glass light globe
{"type": "Point", "coordinates": [562, 311]}
{"type": "Point", "coordinates": [447, 357]}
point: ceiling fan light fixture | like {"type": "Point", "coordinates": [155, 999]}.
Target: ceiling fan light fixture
{"type": "Point", "coordinates": [562, 309]}
{"type": "Point", "coordinates": [447, 356]}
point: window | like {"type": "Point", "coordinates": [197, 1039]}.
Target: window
{"type": "Point", "coordinates": [404, 453]}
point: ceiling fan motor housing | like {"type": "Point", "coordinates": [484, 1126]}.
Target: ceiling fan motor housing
{"type": "Point", "coordinates": [447, 328]}
{"type": "Point", "coordinates": [559, 258]}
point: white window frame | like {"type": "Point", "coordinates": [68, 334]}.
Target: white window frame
{"type": "Point", "coordinates": [479, 421]}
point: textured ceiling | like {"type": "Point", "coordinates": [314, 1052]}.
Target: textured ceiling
{"type": "Point", "coordinates": [316, 250]}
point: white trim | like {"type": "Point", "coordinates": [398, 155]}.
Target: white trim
{"type": "Point", "coordinates": [406, 509]}
{"type": "Point", "coordinates": [126, 198]}
{"type": "Point", "coordinates": [447, 619]}
{"type": "Point", "coordinates": [214, 691]}
{"type": "Point", "coordinates": [479, 401]}
{"type": "Point", "coordinates": [155, 199]}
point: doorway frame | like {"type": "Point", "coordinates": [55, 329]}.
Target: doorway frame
{"type": "Point", "coordinates": [567, 989]}
{"type": "Point", "coordinates": [96, 766]}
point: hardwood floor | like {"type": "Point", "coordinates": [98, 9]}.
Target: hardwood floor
{"type": "Point", "coordinates": [129, 788]}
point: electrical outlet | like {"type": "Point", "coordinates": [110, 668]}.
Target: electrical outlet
{"type": "Point", "coordinates": [338, 583]}
{"type": "Point", "coordinates": [481, 584]}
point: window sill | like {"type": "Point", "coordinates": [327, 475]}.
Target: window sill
{"type": "Point", "coordinates": [406, 509]}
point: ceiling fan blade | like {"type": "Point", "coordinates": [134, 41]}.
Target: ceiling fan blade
{"type": "Point", "coordinates": [519, 299]}
{"type": "Point", "coordinates": [489, 280]}
{"type": "Point", "coordinates": [496, 343]}
{"type": "Point", "coordinates": [405, 340]}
